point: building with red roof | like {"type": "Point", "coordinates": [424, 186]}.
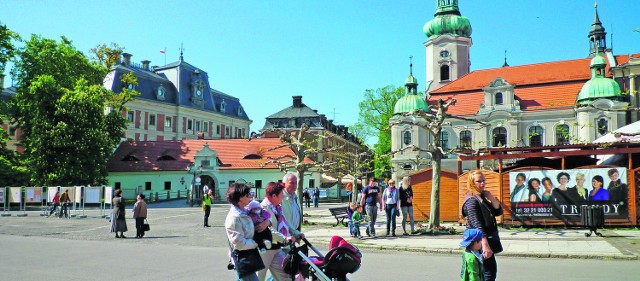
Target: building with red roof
{"type": "Point", "coordinates": [158, 166]}
{"type": "Point", "coordinates": [535, 105]}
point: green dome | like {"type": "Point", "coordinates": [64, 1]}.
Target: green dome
{"type": "Point", "coordinates": [599, 88]}
{"type": "Point", "coordinates": [451, 24]}
{"type": "Point", "coordinates": [598, 60]}
{"type": "Point", "coordinates": [411, 80]}
{"type": "Point", "coordinates": [410, 103]}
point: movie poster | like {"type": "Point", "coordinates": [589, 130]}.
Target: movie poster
{"type": "Point", "coordinates": [560, 193]}
{"type": "Point", "coordinates": [16, 194]}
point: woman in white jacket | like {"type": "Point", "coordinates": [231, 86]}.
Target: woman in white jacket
{"type": "Point", "coordinates": [238, 224]}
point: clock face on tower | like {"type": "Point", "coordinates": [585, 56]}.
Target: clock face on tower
{"type": "Point", "coordinates": [198, 88]}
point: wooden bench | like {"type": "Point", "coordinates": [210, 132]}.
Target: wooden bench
{"type": "Point", "coordinates": [340, 213]}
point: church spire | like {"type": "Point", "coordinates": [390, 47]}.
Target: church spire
{"type": "Point", "coordinates": [597, 35]}
{"type": "Point", "coordinates": [505, 59]}
{"type": "Point", "coordinates": [411, 83]}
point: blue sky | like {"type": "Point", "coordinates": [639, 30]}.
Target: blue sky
{"type": "Point", "coordinates": [330, 52]}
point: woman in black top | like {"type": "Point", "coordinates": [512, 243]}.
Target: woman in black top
{"type": "Point", "coordinates": [534, 188]}
{"type": "Point", "coordinates": [406, 204]}
{"type": "Point", "coordinates": [480, 208]}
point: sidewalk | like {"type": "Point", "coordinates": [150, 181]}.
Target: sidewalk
{"type": "Point", "coordinates": [535, 242]}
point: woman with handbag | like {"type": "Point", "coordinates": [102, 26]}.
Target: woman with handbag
{"type": "Point", "coordinates": [481, 208]}
{"type": "Point", "coordinates": [118, 222]}
{"type": "Point", "coordinates": [140, 215]}
{"type": "Point", "coordinates": [406, 204]}
{"type": "Point", "coordinates": [244, 250]}
{"type": "Point", "coordinates": [281, 232]}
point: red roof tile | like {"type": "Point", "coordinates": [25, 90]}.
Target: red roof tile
{"type": "Point", "coordinates": [542, 86]}
{"type": "Point", "coordinates": [231, 153]}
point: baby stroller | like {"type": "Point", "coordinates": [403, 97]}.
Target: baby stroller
{"type": "Point", "coordinates": [342, 258]}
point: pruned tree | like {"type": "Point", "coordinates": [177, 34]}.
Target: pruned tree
{"type": "Point", "coordinates": [303, 144]}
{"type": "Point", "coordinates": [433, 123]}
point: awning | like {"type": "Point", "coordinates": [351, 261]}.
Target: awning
{"type": "Point", "coordinates": [329, 179]}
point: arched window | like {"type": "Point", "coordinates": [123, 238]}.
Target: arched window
{"type": "Point", "coordinates": [499, 137]}
{"type": "Point", "coordinates": [499, 98]}
{"type": "Point", "coordinates": [603, 126]}
{"type": "Point", "coordinates": [407, 138]}
{"type": "Point", "coordinates": [535, 136]}
{"type": "Point", "coordinates": [444, 73]}
{"type": "Point", "coordinates": [465, 139]}
{"type": "Point", "coordinates": [444, 140]}
{"type": "Point", "coordinates": [562, 134]}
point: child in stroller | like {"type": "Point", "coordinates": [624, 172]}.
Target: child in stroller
{"type": "Point", "coordinates": [258, 215]}
{"type": "Point", "coordinates": [342, 258]}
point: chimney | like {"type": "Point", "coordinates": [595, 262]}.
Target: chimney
{"type": "Point", "coordinates": [126, 59]}
{"type": "Point", "coordinates": [315, 111]}
{"type": "Point", "coordinates": [145, 64]}
{"type": "Point", "coordinates": [297, 101]}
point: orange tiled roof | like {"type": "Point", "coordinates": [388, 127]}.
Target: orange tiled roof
{"type": "Point", "coordinates": [542, 86]}
{"type": "Point", "coordinates": [231, 153]}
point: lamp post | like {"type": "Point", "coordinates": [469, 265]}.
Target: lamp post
{"type": "Point", "coordinates": [190, 198]}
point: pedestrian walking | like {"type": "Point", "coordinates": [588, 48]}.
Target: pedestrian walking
{"type": "Point", "coordinates": [391, 198]}
{"type": "Point", "coordinates": [206, 205]}
{"type": "Point", "coordinates": [481, 208]}
{"type": "Point", "coordinates": [472, 269]}
{"type": "Point", "coordinates": [282, 231]}
{"type": "Point", "coordinates": [240, 231]}
{"type": "Point", "coordinates": [118, 222]}
{"type": "Point", "coordinates": [357, 220]}
{"type": "Point", "coordinates": [55, 202]}
{"type": "Point", "coordinates": [371, 197]}
{"type": "Point", "coordinates": [307, 197]}
{"type": "Point", "coordinates": [406, 204]}
{"type": "Point", "coordinates": [351, 208]}
{"type": "Point", "coordinates": [65, 201]}
{"type": "Point", "coordinates": [140, 214]}
{"type": "Point", "coordinates": [316, 197]}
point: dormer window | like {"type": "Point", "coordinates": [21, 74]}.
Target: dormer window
{"type": "Point", "coordinates": [223, 106]}
{"type": "Point", "coordinates": [166, 158]}
{"type": "Point", "coordinates": [239, 111]}
{"type": "Point", "coordinates": [205, 163]}
{"type": "Point", "coordinates": [499, 99]}
{"type": "Point", "coordinates": [444, 54]}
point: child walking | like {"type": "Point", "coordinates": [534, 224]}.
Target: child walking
{"type": "Point", "coordinates": [356, 219]}
{"type": "Point", "coordinates": [472, 256]}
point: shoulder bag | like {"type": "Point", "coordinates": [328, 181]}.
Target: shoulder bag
{"type": "Point", "coordinates": [245, 262]}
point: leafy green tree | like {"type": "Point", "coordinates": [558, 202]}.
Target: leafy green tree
{"type": "Point", "coordinates": [60, 107]}
{"type": "Point", "coordinates": [376, 108]}
{"type": "Point", "coordinates": [7, 49]}
{"type": "Point", "coordinates": [108, 56]}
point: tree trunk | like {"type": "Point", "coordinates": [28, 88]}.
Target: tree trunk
{"type": "Point", "coordinates": [434, 213]}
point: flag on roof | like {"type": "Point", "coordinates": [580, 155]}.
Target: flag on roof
{"type": "Point", "coordinates": [162, 51]}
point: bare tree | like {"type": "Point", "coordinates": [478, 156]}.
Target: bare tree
{"type": "Point", "coordinates": [432, 122]}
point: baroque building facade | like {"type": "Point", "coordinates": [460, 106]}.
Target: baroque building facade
{"type": "Point", "coordinates": [176, 102]}
{"type": "Point", "coordinates": [535, 105]}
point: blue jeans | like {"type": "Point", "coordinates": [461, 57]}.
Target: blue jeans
{"type": "Point", "coordinates": [391, 217]}
{"type": "Point", "coordinates": [315, 202]}
{"type": "Point", "coordinates": [372, 212]}
{"type": "Point", "coordinates": [351, 226]}
{"type": "Point", "coordinates": [356, 230]}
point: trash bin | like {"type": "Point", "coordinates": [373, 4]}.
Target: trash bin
{"type": "Point", "coordinates": [592, 217]}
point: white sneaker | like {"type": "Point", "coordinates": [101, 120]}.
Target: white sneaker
{"type": "Point", "coordinates": [267, 244]}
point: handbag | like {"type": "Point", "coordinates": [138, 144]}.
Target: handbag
{"type": "Point", "coordinates": [247, 261]}
{"type": "Point", "coordinates": [145, 226]}
{"type": "Point", "coordinates": [494, 242]}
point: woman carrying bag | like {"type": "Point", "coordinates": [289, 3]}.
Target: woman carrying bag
{"type": "Point", "coordinates": [140, 215]}
{"type": "Point", "coordinates": [481, 208]}
{"type": "Point", "coordinates": [244, 250]}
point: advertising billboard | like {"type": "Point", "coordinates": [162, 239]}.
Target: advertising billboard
{"type": "Point", "coordinates": [561, 193]}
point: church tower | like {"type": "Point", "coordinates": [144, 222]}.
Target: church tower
{"type": "Point", "coordinates": [447, 46]}
{"type": "Point", "coordinates": [597, 36]}
{"type": "Point", "coordinates": [404, 137]}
